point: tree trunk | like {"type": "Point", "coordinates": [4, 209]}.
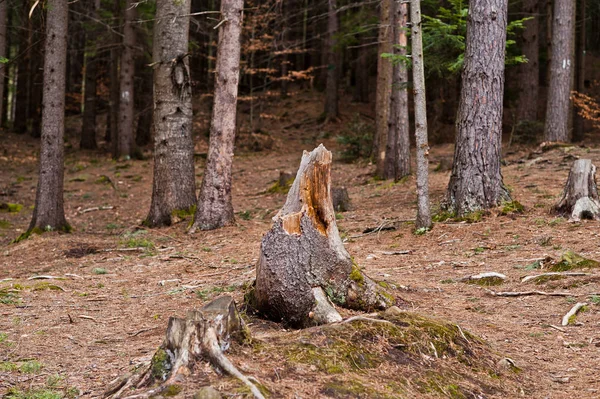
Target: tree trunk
{"type": "Point", "coordinates": [580, 196]}
{"type": "Point", "coordinates": [49, 213]}
{"type": "Point", "coordinates": [303, 264]}
{"type": "Point", "coordinates": [174, 186]}
{"type": "Point", "coordinates": [561, 72]}
{"type": "Point", "coordinates": [145, 98]}
{"type": "Point", "coordinates": [3, 54]}
{"type": "Point", "coordinates": [215, 208]}
{"type": "Point", "coordinates": [397, 154]}
{"type": "Point", "coordinates": [127, 73]}
{"type": "Point", "coordinates": [578, 123]}
{"type": "Point", "coordinates": [423, 211]}
{"type": "Point", "coordinates": [362, 75]}
{"type": "Point", "coordinates": [331, 90]}
{"type": "Point", "coordinates": [284, 47]}
{"type": "Point", "coordinates": [529, 72]}
{"type": "Point", "coordinates": [476, 181]}
{"type": "Point", "coordinates": [384, 86]}
{"type": "Point", "coordinates": [88, 129]}
{"type": "Point", "coordinates": [23, 72]}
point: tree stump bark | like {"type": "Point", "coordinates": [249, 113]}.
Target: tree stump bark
{"type": "Point", "coordinates": [303, 265]}
{"type": "Point", "coordinates": [580, 196]}
{"type": "Point", "coordinates": [340, 199]}
{"type": "Point", "coordinates": [203, 334]}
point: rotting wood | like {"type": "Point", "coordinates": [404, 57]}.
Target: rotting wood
{"type": "Point", "coordinates": [202, 334]}
{"type": "Point", "coordinates": [566, 320]}
{"type": "Point", "coordinates": [579, 199]}
{"type": "Point", "coordinates": [303, 251]}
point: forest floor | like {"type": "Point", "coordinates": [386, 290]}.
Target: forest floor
{"type": "Point", "coordinates": [117, 283]}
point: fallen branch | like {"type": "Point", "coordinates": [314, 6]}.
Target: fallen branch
{"type": "Point", "coordinates": [551, 274]}
{"type": "Point", "coordinates": [96, 208]}
{"type": "Point", "coordinates": [87, 318]}
{"type": "Point", "coordinates": [557, 328]}
{"type": "Point", "coordinates": [571, 313]}
{"type": "Point", "coordinates": [42, 277]}
{"type": "Point", "coordinates": [528, 293]}
{"type": "Point", "coordinates": [405, 252]}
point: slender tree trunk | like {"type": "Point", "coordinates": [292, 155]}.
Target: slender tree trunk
{"type": "Point", "coordinates": [4, 54]}
{"type": "Point", "coordinates": [397, 154]}
{"type": "Point", "coordinates": [284, 46]}
{"type": "Point", "coordinates": [49, 213]}
{"type": "Point", "coordinates": [127, 73]}
{"type": "Point", "coordinates": [384, 86]}
{"type": "Point", "coordinates": [423, 211]}
{"type": "Point", "coordinates": [88, 130]}
{"type": "Point", "coordinates": [331, 90]}
{"type": "Point", "coordinates": [362, 75]}
{"type": "Point", "coordinates": [215, 208]}
{"type": "Point", "coordinates": [578, 125]}
{"type": "Point", "coordinates": [23, 73]}
{"type": "Point", "coordinates": [174, 186]}
{"type": "Point", "coordinates": [476, 181]}
{"type": "Point", "coordinates": [561, 72]}
{"type": "Point", "coordinates": [529, 72]}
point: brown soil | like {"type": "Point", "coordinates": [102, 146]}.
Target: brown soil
{"type": "Point", "coordinates": [118, 283]}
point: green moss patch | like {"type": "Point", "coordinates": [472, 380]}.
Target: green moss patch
{"type": "Point", "coordinates": [570, 260]}
{"type": "Point", "coordinates": [10, 208]}
{"type": "Point", "coordinates": [511, 207]}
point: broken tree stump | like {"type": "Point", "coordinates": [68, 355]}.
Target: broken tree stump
{"type": "Point", "coordinates": [580, 195]}
{"type": "Point", "coordinates": [340, 199]}
{"type": "Point", "coordinates": [303, 266]}
{"type": "Point", "coordinates": [202, 335]}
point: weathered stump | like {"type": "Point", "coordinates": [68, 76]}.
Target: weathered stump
{"type": "Point", "coordinates": [203, 335]}
{"type": "Point", "coordinates": [580, 195]}
{"type": "Point", "coordinates": [340, 199]}
{"type": "Point", "coordinates": [303, 265]}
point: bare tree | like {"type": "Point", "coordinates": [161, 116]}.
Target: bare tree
{"type": "Point", "coordinates": [423, 211]}
{"type": "Point", "coordinates": [3, 53]}
{"type": "Point", "coordinates": [476, 180]}
{"type": "Point", "coordinates": [126, 104]}
{"type": "Point", "coordinates": [384, 86]}
{"type": "Point", "coordinates": [49, 213]}
{"type": "Point", "coordinates": [562, 66]}
{"type": "Point", "coordinates": [174, 186]}
{"type": "Point", "coordinates": [331, 90]}
{"type": "Point", "coordinates": [529, 71]}
{"type": "Point", "coordinates": [88, 129]}
{"type": "Point", "coordinates": [397, 154]}
{"type": "Point", "coordinates": [215, 208]}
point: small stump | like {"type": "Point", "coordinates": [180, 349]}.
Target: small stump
{"type": "Point", "coordinates": [580, 196]}
{"type": "Point", "coordinates": [341, 199]}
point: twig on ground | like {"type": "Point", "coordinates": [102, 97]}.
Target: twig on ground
{"type": "Point", "coordinates": [42, 277]}
{"type": "Point", "coordinates": [571, 313]}
{"type": "Point", "coordinates": [143, 330]}
{"type": "Point", "coordinates": [74, 276]}
{"type": "Point", "coordinates": [6, 279]}
{"type": "Point", "coordinates": [88, 318]}
{"type": "Point", "coordinates": [557, 328]}
{"type": "Point", "coordinates": [527, 293]}
{"type": "Point", "coordinates": [405, 252]}
{"type": "Point", "coordinates": [97, 208]}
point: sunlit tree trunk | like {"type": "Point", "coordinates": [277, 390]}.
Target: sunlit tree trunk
{"type": "Point", "coordinates": [174, 186]}
{"type": "Point", "coordinates": [49, 213]}
{"type": "Point", "coordinates": [215, 208]}
{"type": "Point", "coordinates": [562, 67]}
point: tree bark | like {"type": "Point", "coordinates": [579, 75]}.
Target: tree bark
{"type": "Point", "coordinates": [126, 102]}
{"type": "Point", "coordinates": [331, 89]}
{"type": "Point", "coordinates": [384, 86]}
{"type": "Point", "coordinates": [423, 209]}
{"type": "Point", "coordinates": [174, 186]}
{"type": "Point", "coordinates": [362, 75]}
{"type": "Point", "coordinates": [561, 72]}
{"type": "Point", "coordinates": [529, 72]}
{"type": "Point", "coordinates": [578, 123]}
{"type": "Point", "coordinates": [49, 213]}
{"type": "Point", "coordinates": [4, 54]}
{"type": "Point", "coordinates": [23, 71]}
{"type": "Point", "coordinates": [303, 264]}
{"type": "Point", "coordinates": [580, 195]}
{"type": "Point", "coordinates": [215, 208]}
{"type": "Point", "coordinates": [476, 180]}
{"type": "Point", "coordinates": [397, 155]}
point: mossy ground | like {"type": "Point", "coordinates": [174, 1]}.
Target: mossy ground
{"type": "Point", "coordinates": [571, 260]}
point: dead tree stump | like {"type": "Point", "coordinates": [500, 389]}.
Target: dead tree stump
{"type": "Point", "coordinates": [303, 265]}
{"type": "Point", "coordinates": [340, 199]}
{"type": "Point", "coordinates": [580, 196]}
{"type": "Point", "coordinates": [203, 334]}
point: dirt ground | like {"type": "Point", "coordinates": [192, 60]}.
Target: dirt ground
{"type": "Point", "coordinates": [117, 283]}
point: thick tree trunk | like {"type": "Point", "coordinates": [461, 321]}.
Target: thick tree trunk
{"type": "Point", "coordinates": [331, 90]}
{"type": "Point", "coordinates": [127, 73]}
{"type": "Point", "coordinates": [174, 186]}
{"type": "Point", "coordinates": [384, 86]}
{"type": "Point", "coordinates": [397, 154]}
{"type": "Point", "coordinates": [562, 66]}
{"type": "Point", "coordinates": [423, 209]}
{"type": "Point", "coordinates": [580, 196]}
{"type": "Point", "coordinates": [476, 181]}
{"type": "Point", "coordinates": [529, 72]}
{"type": "Point", "coordinates": [4, 54]}
{"type": "Point", "coordinates": [49, 213]}
{"type": "Point", "coordinates": [303, 264]}
{"type": "Point", "coordinates": [215, 208]}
